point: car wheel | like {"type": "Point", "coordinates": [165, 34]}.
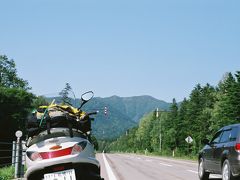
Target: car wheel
{"type": "Point", "coordinates": [203, 175]}
{"type": "Point", "coordinates": [226, 171]}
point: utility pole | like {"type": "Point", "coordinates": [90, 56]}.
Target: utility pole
{"type": "Point", "coordinates": [160, 133]}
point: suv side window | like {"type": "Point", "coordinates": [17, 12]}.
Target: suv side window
{"type": "Point", "coordinates": [216, 137]}
{"type": "Point", "coordinates": [225, 136]}
{"type": "Point", "coordinates": [234, 133]}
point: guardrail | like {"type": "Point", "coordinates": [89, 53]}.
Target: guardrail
{"type": "Point", "coordinates": [16, 157]}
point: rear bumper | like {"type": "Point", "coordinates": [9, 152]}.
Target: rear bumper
{"type": "Point", "coordinates": [236, 168]}
{"type": "Point", "coordinates": [83, 171]}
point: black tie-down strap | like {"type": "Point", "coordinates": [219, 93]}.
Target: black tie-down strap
{"type": "Point", "coordinates": [63, 121]}
{"type": "Point", "coordinates": [70, 122]}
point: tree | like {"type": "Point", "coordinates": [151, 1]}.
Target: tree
{"type": "Point", "coordinates": [143, 132]}
{"type": "Point", "coordinates": [226, 110]}
{"type": "Point", "coordinates": [8, 75]}
{"type": "Point", "coordinates": [15, 105]}
{"type": "Point", "coordinates": [184, 129]}
{"type": "Point", "coordinates": [171, 127]}
{"type": "Point", "coordinates": [65, 94]}
{"type": "Point", "coordinates": [39, 101]}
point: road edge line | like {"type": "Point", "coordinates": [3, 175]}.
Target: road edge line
{"type": "Point", "coordinates": [110, 173]}
{"type": "Point", "coordinates": [195, 172]}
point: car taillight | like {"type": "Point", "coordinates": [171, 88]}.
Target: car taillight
{"type": "Point", "coordinates": [54, 154]}
{"type": "Point", "coordinates": [34, 156]}
{"type": "Point", "coordinates": [237, 147]}
{"type": "Point", "coordinates": [76, 149]}
{"type": "Point", "coordinates": [79, 147]}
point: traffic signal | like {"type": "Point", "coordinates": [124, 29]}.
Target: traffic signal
{"type": "Point", "coordinates": [105, 110]}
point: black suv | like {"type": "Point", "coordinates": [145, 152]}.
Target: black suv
{"type": "Point", "coordinates": [221, 155]}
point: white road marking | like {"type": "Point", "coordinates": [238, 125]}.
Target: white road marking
{"type": "Point", "coordinates": [166, 164]}
{"type": "Point", "coordinates": [148, 160]}
{"type": "Point", "coordinates": [110, 173]}
{"type": "Point", "coordinates": [211, 175]}
{"type": "Point", "coordinates": [192, 171]}
{"type": "Point", "coordinates": [215, 176]}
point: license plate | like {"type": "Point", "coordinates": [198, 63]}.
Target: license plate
{"type": "Point", "coordinates": [61, 175]}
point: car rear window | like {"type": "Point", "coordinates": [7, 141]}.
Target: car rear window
{"type": "Point", "coordinates": [225, 136]}
{"type": "Point", "coordinates": [229, 135]}
{"type": "Point", "coordinates": [233, 135]}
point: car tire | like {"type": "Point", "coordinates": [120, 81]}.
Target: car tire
{"type": "Point", "coordinates": [202, 174]}
{"type": "Point", "coordinates": [226, 171]}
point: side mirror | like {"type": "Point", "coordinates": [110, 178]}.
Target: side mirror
{"type": "Point", "coordinates": [86, 97]}
{"type": "Point", "coordinates": [205, 141]}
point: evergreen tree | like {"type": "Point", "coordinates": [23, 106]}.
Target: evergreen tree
{"type": "Point", "coordinates": [226, 110]}
{"type": "Point", "coordinates": [65, 94]}
{"type": "Point", "coordinates": [184, 130]}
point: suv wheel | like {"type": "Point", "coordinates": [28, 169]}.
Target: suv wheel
{"type": "Point", "coordinates": [226, 171]}
{"type": "Point", "coordinates": [203, 175]}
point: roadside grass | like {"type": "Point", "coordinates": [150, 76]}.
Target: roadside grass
{"type": "Point", "coordinates": [191, 157]}
{"type": "Point", "coordinates": [7, 173]}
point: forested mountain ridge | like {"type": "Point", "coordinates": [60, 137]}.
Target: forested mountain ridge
{"type": "Point", "coordinates": [206, 110]}
{"type": "Point", "coordinates": [123, 113]}
{"type": "Point", "coordinates": [136, 106]}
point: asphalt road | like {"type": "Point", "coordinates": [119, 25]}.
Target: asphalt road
{"type": "Point", "coordinates": [139, 167]}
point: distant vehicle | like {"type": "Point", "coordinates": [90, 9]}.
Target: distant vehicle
{"type": "Point", "coordinates": [221, 155]}
{"type": "Point", "coordinates": [63, 148]}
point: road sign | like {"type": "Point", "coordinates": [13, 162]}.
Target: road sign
{"type": "Point", "coordinates": [189, 139]}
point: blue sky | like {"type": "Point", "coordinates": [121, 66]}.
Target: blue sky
{"type": "Point", "coordinates": [125, 48]}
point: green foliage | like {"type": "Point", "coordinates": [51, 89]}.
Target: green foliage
{"type": "Point", "coordinates": [15, 105]}
{"type": "Point", "coordinates": [15, 101]}
{"type": "Point", "coordinates": [206, 110]}
{"type": "Point", "coordinates": [8, 75]}
{"type": "Point", "coordinates": [7, 173]}
{"type": "Point", "coordinates": [39, 101]}
{"type": "Point", "coordinates": [227, 108]}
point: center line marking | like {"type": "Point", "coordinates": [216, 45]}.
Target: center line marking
{"type": "Point", "coordinates": [166, 164]}
{"type": "Point", "coordinates": [110, 173]}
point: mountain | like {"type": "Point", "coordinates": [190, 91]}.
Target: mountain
{"type": "Point", "coordinates": [122, 113]}
{"type": "Point", "coordinates": [135, 107]}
